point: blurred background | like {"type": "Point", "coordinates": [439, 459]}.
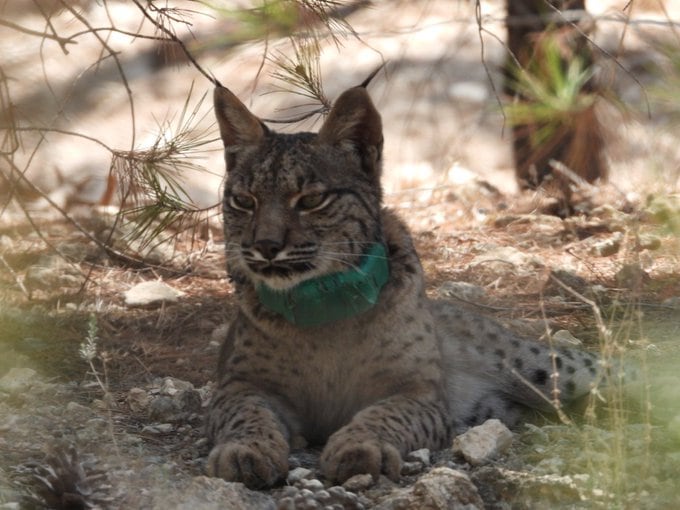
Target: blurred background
{"type": "Point", "coordinates": [95, 95]}
{"type": "Point", "coordinates": [86, 85]}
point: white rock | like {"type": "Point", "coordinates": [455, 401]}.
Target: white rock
{"type": "Point", "coordinates": [446, 488]}
{"type": "Point", "coordinates": [503, 259]}
{"type": "Point", "coordinates": [76, 408]}
{"type": "Point", "coordinates": [440, 489]}
{"type": "Point", "coordinates": [153, 292]}
{"type": "Point", "coordinates": [297, 474]}
{"type": "Point", "coordinates": [462, 290]}
{"type": "Point", "coordinates": [358, 483]}
{"type": "Point", "coordinates": [219, 334]}
{"type": "Point", "coordinates": [159, 428]}
{"type": "Point", "coordinates": [206, 493]}
{"type": "Point", "coordinates": [171, 386]}
{"type": "Point", "coordinates": [564, 338]}
{"type": "Point", "coordinates": [422, 455]}
{"type": "Point", "coordinates": [138, 399]}
{"type": "Point", "coordinates": [409, 468]}
{"type": "Point", "coordinates": [18, 380]}
{"type": "Point", "coordinates": [608, 246]}
{"type": "Point", "coordinates": [312, 484]}
{"type": "Point", "coordinates": [483, 443]}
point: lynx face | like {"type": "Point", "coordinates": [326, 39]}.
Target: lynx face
{"type": "Point", "coordinates": [303, 205]}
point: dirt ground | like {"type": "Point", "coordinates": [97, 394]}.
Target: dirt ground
{"type": "Point", "coordinates": [139, 419]}
{"type": "Point", "coordinates": [131, 400]}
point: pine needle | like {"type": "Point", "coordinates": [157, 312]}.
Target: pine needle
{"type": "Point", "coordinates": [151, 186]}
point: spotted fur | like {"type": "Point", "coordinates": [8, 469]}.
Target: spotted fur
{"type": "Point", "coordinates": [404, 375]}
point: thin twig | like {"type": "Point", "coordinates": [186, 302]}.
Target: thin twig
{"type": "Point", "coordinates": [480, 31]}
{"type": "Point", "coordinates": [119, 66]}
{"type": "Point", "coordinates": [63, 41]}
{"type": "Point", "coordinates": [109, 249]}
{"type": "Point", "coordinates": [18, 281]}
{"type": "Point", "coordinates": [173, 37]}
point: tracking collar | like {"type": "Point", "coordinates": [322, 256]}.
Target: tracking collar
{"type": "Point", "coordinates": [331, 297]}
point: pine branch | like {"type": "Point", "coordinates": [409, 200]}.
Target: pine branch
{"type": "Point", "coordinates": [150, 185]}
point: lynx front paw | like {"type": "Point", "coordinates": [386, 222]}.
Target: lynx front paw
{"type": "Point", "coordinates": [344, 457]}
{"type": "Point", "coordinates": [256, 465]}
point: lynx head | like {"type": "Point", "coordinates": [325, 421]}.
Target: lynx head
{"type": "Point", "coordinates": [299, 206]}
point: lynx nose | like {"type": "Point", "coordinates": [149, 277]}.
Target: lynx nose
{"type": "Point", "coordinates": [268, 248]}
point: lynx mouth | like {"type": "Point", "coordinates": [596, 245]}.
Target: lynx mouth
{"type": "Point", "coordinates": [274, 270]}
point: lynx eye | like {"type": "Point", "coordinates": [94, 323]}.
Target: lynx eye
{"type": "Point", "coordinates": [312, 202]}
{"type": "Point", "coordinates": [243, 202]}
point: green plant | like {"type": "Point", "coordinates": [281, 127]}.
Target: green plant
{"type": "Point", "coordinates": [550, 91]}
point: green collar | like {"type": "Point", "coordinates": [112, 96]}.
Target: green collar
{"type": "Point", "coordinates": [333, 296]}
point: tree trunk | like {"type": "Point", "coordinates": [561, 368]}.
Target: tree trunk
{"type": "Point", "coordinates": [577, 141]}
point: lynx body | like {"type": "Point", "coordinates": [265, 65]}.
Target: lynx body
{"type": "Point", "coordinates": [403, 374]}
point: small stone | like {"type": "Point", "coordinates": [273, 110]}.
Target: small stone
{"type": "Point", "coordinates": [607, 247]}
{"type": "Point", "coordinates": [18, 380]}
{"type": "Point", "coordinates": [564, 338]}
{"type": "Point", "coordinates": [188, 401]}
{"type": "Point", "coordinates": [411, 468]}
{"type": "Point", "coordinates": [631, 276]}
{"type": "Point", "coordinates": [502, 259]}
{"type": "Point", "coordinates": [289, 491]}
{"type": "Point", "coordinates": [313, 484]}
{"type": "Point", "coordinates": [673, 302]}
{"type": "Point", "coordinates": [108, 401]}
{"type": "Point", "coordinates": [305, 494]}
{"type": "Point", "coordinates": [52, 272]}
{"type": "Point", "coordinates": [75, 408]}
{"type": "Point", "coordinates": [323, 497]}
{"type": "Point", "coordinates": [422, 455]}
{"type": "Point", "coordinates": [440, 489]}
{"type": "Point", "coordinates": [151, 293]}
{"type": "Point", "coordinates": [138, 400]}
{"type": "Point", "coordinates": [206, 493]}
{"type": "Point", "coordinates": [219, 334]}
{"type": "Point", "coordinates": [163, 409]}
{"type": "Point", "coordinates": [159, 428]}
{"type": "Point", "coordinates": [201, 442]}
{"type": "Point", "coordinates": [462, 290]}
{"type": "Point", "coordinates": [172, 386]}
{"type": "Point", "coordinates": [286, 503]}
{"type": "Point", "coordinates": [649, 242]}
{"type": "Point", "coordinates": [481, 444]}
{"type": "Point", "coordinates": [445, 488]}
{"type": "Point", "coordinates": [97, 426]}
{"type": "Point", "coordinates": [76, 252]}
{"type": "Point", "coordinates": [297, 474]}
{"type": "Point", "coordinates": [358, 483]}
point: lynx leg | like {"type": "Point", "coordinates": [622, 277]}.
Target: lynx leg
{"type": "Point", "coordinates": [250, 440]}
{"type": "Point", "coordinates": [378, 436]}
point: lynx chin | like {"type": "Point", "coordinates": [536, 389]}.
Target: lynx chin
{"type": "Point", "coordinates": [335, 342]}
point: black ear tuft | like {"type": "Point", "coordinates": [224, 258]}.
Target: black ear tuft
{"type": "Point", "coordinates": [354, 120]}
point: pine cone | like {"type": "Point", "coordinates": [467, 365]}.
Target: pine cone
{"type": "Point", "coordinates": [63, 482]}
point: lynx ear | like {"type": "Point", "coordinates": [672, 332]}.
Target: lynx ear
{"type": "Point", "coordinates": [354, 119]}
{"type": "Point", "coordinates": [237, 125]}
